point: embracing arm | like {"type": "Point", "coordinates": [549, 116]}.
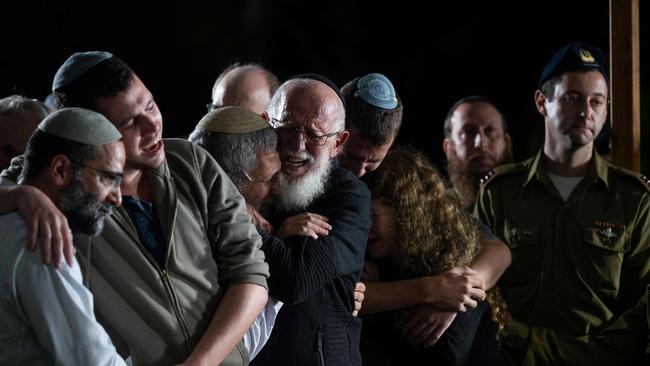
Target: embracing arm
{"type": "Point", "coordinates": [238, 309]}
{"type": "Point", "coordinates": [301, 265]}
{"type": "Point", "coordinates": [46, 224]}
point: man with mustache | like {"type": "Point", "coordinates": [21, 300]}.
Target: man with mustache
{"type": "Point", "coordinates": [315, 325]}
{"type": "Point", "coordinates": [578, 228]}
{"type": "Point", "coordinates": [476, 141]}
{"type": "Point", "coordinates": [177, 274]}
{"type": "Point", "coordinates": [47, 314]}
{"type": "Point", "coordinates": [374, 117]}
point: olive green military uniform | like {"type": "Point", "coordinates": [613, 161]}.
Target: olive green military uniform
{"type": "Point", "coordinates": [580, 268]}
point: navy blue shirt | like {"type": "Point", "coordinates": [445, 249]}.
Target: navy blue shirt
{"type": "Point", "coordinates": [144, 217]}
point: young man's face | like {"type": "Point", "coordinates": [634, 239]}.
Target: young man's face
{"type": "Point", "coordinates": [360, 156]}
{"type": "Point", "coordinates": [135, 114]}
{"type": "Point", "coordinates": [578, 110]}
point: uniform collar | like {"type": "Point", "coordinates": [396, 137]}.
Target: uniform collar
{"type": "Point", "coordinates": [597, 169]}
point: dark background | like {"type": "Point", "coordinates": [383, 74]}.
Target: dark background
{"type": "Point", "coordinates": [433, 57]}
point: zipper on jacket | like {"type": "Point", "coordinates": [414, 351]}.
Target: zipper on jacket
{"type": "Point", "coordinates": [176, 305]}
{"type": "Point", "coordinates": [319, 346]}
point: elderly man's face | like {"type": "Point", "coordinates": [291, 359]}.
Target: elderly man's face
{"type": "Point", "coordinates": [308, 119]}
{"type": "Point", "coordinates": [308, 130]}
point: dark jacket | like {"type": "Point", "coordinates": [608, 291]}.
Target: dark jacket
{"type": "Point", "coordinates": [316, 279]}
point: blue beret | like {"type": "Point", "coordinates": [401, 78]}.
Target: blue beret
{"type": "Point", "coordinates": [574, 56]}
{"type": "Point", "coordinates": [377, 90]}
{"type": "Point", "coordinates": [77, 65]}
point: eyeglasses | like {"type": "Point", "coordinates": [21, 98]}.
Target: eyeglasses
{"type": "Point", "coordinates": [287, 131]}
{"type": "Point", "coordinates": [112, 179]}
{"type": "Point", "coordinates": [260, 181]}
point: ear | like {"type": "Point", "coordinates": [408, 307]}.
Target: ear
{"type": "Point", "coordinates": [60, 170]}
{"type": "Point", "coordinates": [338, 144]}
{"type": "Point", "coordinates": [540, 102]}
{"type": "Point", "coordinates": [447, 146]}
{"type": "Point", "coordinates": [266, 117]}
{"type": "Point", "coordinates": [508, 144]}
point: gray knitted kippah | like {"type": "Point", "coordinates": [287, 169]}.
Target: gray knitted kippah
{"type": "Point", "coordinates": [76, 65]}
{"type": "Point", "coordinates": [232, 119]}
{"type": "Point", "coordinates": [80, 125]}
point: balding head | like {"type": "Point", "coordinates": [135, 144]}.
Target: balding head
{"type": "Point", "coordinates": [309, 117]}
{"type": "Point", "coordinates": [248, 86]}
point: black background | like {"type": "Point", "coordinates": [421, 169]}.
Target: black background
{"type": "Point", "coordinates": [433, 57]}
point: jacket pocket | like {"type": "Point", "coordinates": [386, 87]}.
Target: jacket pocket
{"type": "Point", "coordinates": [601, 261]}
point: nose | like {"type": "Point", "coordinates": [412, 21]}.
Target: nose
{"type": "Point", "coordinates": [297, 140]}
{"type": "Point", "coordinates": [115, 197]}
{"type": "Point", "coordinates": [149, 123]}
{"type": "Point", "coordinates": [478, 140]}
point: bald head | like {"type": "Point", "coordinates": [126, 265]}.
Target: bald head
{"type": "Point", "coordinates": [312, 99]}
{"type": "Point", "coordinates": [248, 86]}
{"type": "Point", "coordinates": [309, 118]}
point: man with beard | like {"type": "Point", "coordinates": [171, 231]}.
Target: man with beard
{"type": "Point", "coordinates": [476, 141]}
{"type": "Point", "coordinates": [374, 120]}
{"type": "Point", "coordinates": [177, 273]}
{"type": "Point", "coordinates": [316, 325]}
{"type": "Point", "coordinates": [47, 314]}
{"type": "Point", "coordinates": [579, 229]}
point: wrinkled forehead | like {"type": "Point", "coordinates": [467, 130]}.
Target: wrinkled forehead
{"type": "Point", "coordinates": [476, 114]}
{"type": "Point", "coordinates": [110, 156]}
{"type": "Point", "coordinates": [311, 102]}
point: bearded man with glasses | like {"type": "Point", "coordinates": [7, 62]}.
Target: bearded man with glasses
{"type": "Point", "coordinates": [316, 324]}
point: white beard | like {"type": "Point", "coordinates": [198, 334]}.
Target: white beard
{"type": "Point", "coordinates": [299, 194]}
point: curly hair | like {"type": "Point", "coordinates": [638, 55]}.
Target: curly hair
{"type": "Point", "coordinates": [434, 232]}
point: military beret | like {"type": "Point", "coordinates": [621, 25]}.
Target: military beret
{"type": "Point", "coordinates": [377, 90]}
{"type": "Point", "coordinates": [76, 65]}
{"type": "Point", "coordinates": [80, 125]}
{"type": "Point", "coordinates": [232, 119]}
{"type": "Point", "coordinates": [574, 56]}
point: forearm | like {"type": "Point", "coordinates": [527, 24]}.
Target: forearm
{"type": "Point", "coordinates": [492, 260]}
{"type": "Point", "coordinates": [235, 314]}
{"type": "Point", "coordinates": [388, 296]}
{"type": "Point", "coordinates": [623, 342]}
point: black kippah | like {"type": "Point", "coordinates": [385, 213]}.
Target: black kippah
{"type": "Point", "coordinates": [323, 80]}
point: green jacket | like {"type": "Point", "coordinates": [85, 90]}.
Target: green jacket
{"type": "Point", "coordinates": [580, 268]}
{"type": "Point", "coordinates": [159, 313]}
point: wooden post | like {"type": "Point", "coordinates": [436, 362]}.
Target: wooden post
{"type": "Point", "coordinates": [625, 83]}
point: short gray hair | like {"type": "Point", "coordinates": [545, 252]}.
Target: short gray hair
{"type": "Point", "coordinates": [236, 153]}
{"type": "Point", "coordinates": [17, 104]}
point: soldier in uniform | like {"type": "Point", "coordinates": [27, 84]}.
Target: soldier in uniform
{"type": "Point", "coordinates": [578, 229]}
